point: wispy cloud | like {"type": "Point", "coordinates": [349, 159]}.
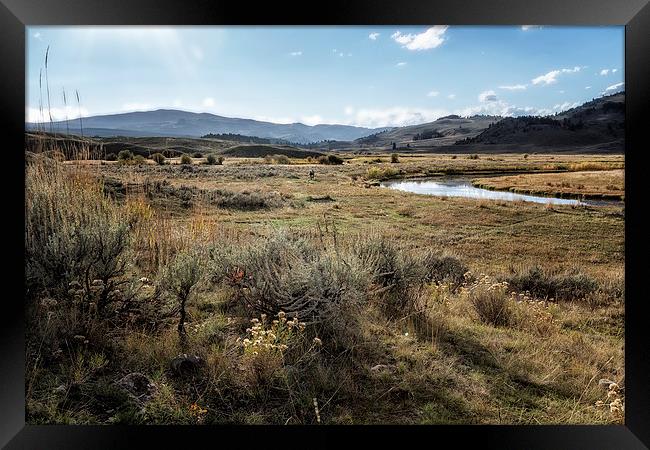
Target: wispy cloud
{"type": "Point", "coordinates": [531, 27]}
{"type": "Point", "coordinates": [451, 96]}
{"type": "Point", "coordinates": [432, 93]}
{"type": "Point", "coordinates": [298, 53]}
{"type": "Point", "coordinates": [614, 87]}
{"type": "Point", "coordinates": [373, 36]}
{"type": "Point", "coordinates": [208, 102]}
{"type": "Point", "coordinates": [551, 77]}
{"type": "Point", "coordinates": [587, 87]}
{"type": "Point", "coordinates": [514, 87]}
{"type": "Point", "coordinates": [400, 64]}
{"type": "Point", "coordinates": [431, 38]}
{"type": "Point", "coordinates": [604, 72]}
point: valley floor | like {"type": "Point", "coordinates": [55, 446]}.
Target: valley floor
{"type": "Point", "coordinates": [515, 318]}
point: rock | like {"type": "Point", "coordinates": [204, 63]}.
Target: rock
{"type": "Point", "coordinates": [138, 386]}
{"type": "Point", "coordinates": [184, 364]}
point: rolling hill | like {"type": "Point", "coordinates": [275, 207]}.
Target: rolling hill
{"type": "Point", "coordinates": [600, 122]}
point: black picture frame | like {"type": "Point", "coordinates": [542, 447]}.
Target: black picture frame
{"type": "Point", "coordinates": [15, 15]}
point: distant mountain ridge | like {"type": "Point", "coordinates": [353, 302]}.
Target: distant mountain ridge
{"type": "Point", "coordinates": [176, 123]}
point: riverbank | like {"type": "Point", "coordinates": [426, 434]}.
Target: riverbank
{"type": "Point", "coordinates": [596, 185]}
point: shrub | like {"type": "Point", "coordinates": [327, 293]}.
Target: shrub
{"type": "Point", "coordinates": [111, 157]}
{"type": "Point", "coordinates": [394, 158]}
{"type": "Point", "coordinates": [440, 268]}
{"type": "Point", "coordinates": [565, 286]}
{"type": "Point", "coordinates": [330, 159]}
{"type": "Point", "coordinates": [472, 156]}
{"type": "Point", "coordinates": [246, 200]}
{"type": "Point", "coordinates": [333, 159]}
{"type": "Point", "coordinates": [281, 159]}
{"type": "Point", "coordinates": [138, 159]}
{"type": "Point", "coordinates": [197, 155]}
{"type": "Point", "coordinates": [212, 160]}
{"type": "Point", "coordinates": [74, 235]}
{"type": "Point", "coordinates": [392, 269]}
{"type": "Point", "coordinates": [180, 278]}
{"type": "Point", "coordinates": [287, 273]}
{"type": "Point", "coordinates": [158, 158]}
{"type": "Point", "coordinates": [125, 155]}
{"type": "Point", "coordinates": [492, 302]}
{"type": "Point", "coordinates": [186, 159]}
{"type": "Point", "coordinates": [378, 173]}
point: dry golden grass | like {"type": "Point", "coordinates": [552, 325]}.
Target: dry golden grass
{"type": "Point", "coordinates": [607, 184]}
{"type": "Point", "coordinates": [435, 361]}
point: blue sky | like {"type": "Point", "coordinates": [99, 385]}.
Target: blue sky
{"type": "Point", "coordinates": [367, 76]}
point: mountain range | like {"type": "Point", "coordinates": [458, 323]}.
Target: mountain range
{"type": "Point", "coordinates": [175, 123]}
{"type": "Point", "coordinates": [597, 125]}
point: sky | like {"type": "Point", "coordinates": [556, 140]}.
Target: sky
{"type": "Point", "coordinates": [372, 76]}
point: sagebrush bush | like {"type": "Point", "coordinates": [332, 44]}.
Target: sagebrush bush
{"type": "Point", "coordinates": [246, 200]}
{"type": "Point", "coordinates": [442, 268]}
{"type": "Point", "coordinates": [212, 160]}
{"type": "Point", "coordinates": [394, 158]}
{"type": "Point", "coordinates": [83, 241]}
{"type": "Point", "coordinates": [158, 158]}
{"type": "Point", "coordinates": [125, 155]}
{"type": "Point", "coordinates": [186, 159]}
{"type": "Point", "coordinates": [290, 274]}
{"type": "Point", "coordinates": [181, 277]}
{"type": "Point", "coordinates": [110, 157]}
{"type": "Point", "coordinates": [492, 302]}
{"type": "Point", "coordinates": [561, 286]}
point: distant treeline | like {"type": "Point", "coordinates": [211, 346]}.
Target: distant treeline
{"type": "Point", "coordinates": [241, 138]}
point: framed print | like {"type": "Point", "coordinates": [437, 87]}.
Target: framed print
{"type": "Point", "coordinates": [377, 220]}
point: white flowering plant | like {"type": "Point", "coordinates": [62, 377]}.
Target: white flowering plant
{"type": "Point", "coordinates": [272, 337]}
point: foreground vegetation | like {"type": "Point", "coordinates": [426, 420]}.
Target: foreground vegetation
{"type": "Point", "coordinates": [249, 293]}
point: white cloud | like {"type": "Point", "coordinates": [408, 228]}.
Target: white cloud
{"type": "Point", "coordinates": [451, 96]}
{"type": "Point", "coordinates": [208, 102]}
{"type": "Point", "coordinates": [587, 87]}
{"type": "Point", "coordinates": [551, 77]}
{"type": "Point", "coordinates": [341, 54]}
{"type": "Point", "coordinates": [349, 54]}
{"type": "Point", "coordinates": [604, 72]}
{"type": "Point", "coordinates": [135, 106]}
{"type": "Point", "coordinates": [373, 36]}
{"type": "Point", "coordinates": [614, 87]}
{"type": "Point", "coordinates": [312, 120]}
{"type": "Point", "coordinates": [514, 87]}
{"type": "Point", "coordinates": [298, 53]}
{"type": "Point", "coordinates": [433, 94]}
{"type": "Point", "coordinates": [431, 38]}
{"type": "Point", "coordinates": [487, 96]}
{"type": "Point", "coordinates": [400, 64]}
{"type": "Point", "coordinates": [37, 36]}
{"type": "Point", "coordinates": [334, 50]}
{"type": "Point", "coordinates": [531, 27]}
{"type": "Point", "coordinates": [394, 117]}
{"type": "Point", "coordinates": [70, 112]}
{"type": "Point", "coordinates": [614, 70]}
{"type": "Point", "coordinates": [561, 92]}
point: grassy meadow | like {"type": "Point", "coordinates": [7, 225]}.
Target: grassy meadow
{"type": "Point", "coordinates": [196, 291]}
